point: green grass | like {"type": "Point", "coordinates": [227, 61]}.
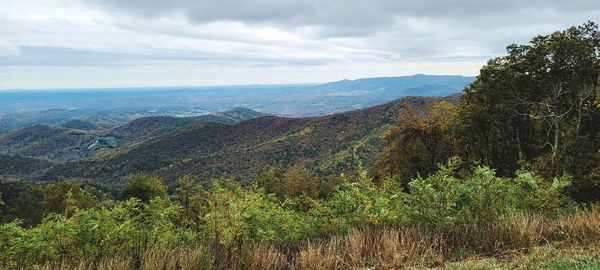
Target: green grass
{"type": "Point", "coordinates": [543, 258]}
{"type": "Point", "coordinates": [303, 132]}
{"type": "Point", "coordinates": [346, 154]}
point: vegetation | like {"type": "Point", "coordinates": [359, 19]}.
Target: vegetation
{"type": "Point", "coordinates": [78, 139]}
{"type": "Point", "coordinates": [20, 166]}
{"type": "Point", "coordinates": [537, 107]}
{"type": "Point", "coordinates": [439, 218]}
{"type": "Point", "coordinates": [243, 150]}
{"type": "Point", "coordinates": [432, 199]}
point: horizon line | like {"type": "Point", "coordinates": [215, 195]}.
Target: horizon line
{"type": "Point", "coordinates": [158, 87]}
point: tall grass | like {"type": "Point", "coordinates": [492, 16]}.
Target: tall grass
{"type": "Point", "coordinates": [580, 227]}
{"type": "Point", "coordinates": [381, 248]}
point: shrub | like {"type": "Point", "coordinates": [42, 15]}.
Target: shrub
{"type": "Point", "coordinates": [144, 188]}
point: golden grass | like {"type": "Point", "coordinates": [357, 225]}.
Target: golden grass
{"type": "Point", "coordinates": [520, 231]}
{"type": "Point", "coordinates": [581, 227]}
{"type": "Point", "coordinates": [515, 235]}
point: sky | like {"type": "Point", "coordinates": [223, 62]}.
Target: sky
{"type": "Point", "coordinates": [123, 43]}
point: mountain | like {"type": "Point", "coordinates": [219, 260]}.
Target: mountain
{"type": "Point", "coordinates": [325, 143]}
{"type": "Point", "coordinates": [108, 108]}
{"type": "Point", "coordinates": [149, 127]}
{"type": "Point", "coordinates": [22, 167]}
{"type": "Point", "coordinates": [80, 124]}
{"type": "Point", "coordinates": [49, 142]}
{"type": "Point", "coordinates": [416, 85]}
{"type": "Point", "coordinates": [76, 139]}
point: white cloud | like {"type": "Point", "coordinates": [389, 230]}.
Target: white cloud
{"type": "Point", "coordinates": [8, 49]}
{"type": "Point", "coordinates": [68, 43]}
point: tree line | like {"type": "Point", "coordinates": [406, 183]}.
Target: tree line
{"type": "Point", "coordinates": [538, 107]}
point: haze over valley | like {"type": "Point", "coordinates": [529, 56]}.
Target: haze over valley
{"type": "Point", "coordinates": [108, 108]}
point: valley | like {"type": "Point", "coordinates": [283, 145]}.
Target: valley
{"type": "Point", "coordinates": [88, 138]}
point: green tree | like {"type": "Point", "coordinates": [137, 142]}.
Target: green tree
{"type": "Point", "coordinates": [22, 201]}
{"type": "Point", "coordinates": [192, 198]}
{"type": "Point", "coordinates": [299, 181]}
{"type": "Point", "coordinates": [144, 188]}
{"type": "Point", "coordinates": [271, 180]}
{"type": "Point", "coordinates": [537, 104]}
{"type": "Point", "coordinates": [64, 197]}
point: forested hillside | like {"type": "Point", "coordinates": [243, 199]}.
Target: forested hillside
{"type": "Point", "coordinates": [78, 139]}
{"type": "Point", "coordinates": [20, 167]}
{"type": "Point", "coordinates": [324, 144]}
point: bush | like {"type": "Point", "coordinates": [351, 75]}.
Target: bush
{"type": "Point", "coordinates": [442, 202]}
{"type": "Point", "coordinates": [225, 220]}
{"type": "Point", "coordinates": [144, 188]}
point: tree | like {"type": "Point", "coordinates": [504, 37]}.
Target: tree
{"type": "Point", "coordinates": [418, 142]}
{"type": "Point", "coordinates": [192, 198]}
{"type": "Point", "coordinates": [22, 201]}
{"type": "Point", "coordinates": [537, 104]}
{"type": "Point", "coordinates": [272, 180]}
{"type": "Point", "coordinates": [299, 181]}
{"type": "Point", "coordinates": [64, 197]}
{"type": "Point", "coordinates": [144, 188]}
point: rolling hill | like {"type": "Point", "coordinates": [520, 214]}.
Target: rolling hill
{"type": "Point", "coordinates": [108, 108]}
{"type": "Point", "coordinates": [153, 126]}
{"type": "Point", "coordinates": [80, 124]}
{"type": "Point", "coordinates": [22, 167]}
{"type": "Point", "coordinates": [325, 143]}
{"type": "Point", "coordinates": [416, 85]}
{"type": "Point", "coordinates": [76, 139]}
{"type": "Point", "coordinates": [49, 142]}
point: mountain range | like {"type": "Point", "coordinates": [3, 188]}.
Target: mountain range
{"type": "Point", "coordinates": [78, 139]}
{"type": "Point", "coordinates": [109, 108]}
{"type": "Point", "coordinates": [109, 147]}
{"type": "Point", "coordinates": [326, 144]}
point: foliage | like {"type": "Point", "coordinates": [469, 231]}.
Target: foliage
{"type": "Point", "coordinates": [193, 200]}
{"type": "Point", "coordinates": [22, 201]}
{"type": "Point", "coordinates": [228, 218]}
{"type": "Point", "coordinates": [537, 106]}
{"type": "Point", "coordinates": [418, 142]}
{"type": "Point", "coordinates": [144, 188]}
{"type": "Point", "coordinates": [443, 202]}
{"type": "Point", "coordinates": [299, 181]}
{"type": "Point", "coordinates": [66, 197]}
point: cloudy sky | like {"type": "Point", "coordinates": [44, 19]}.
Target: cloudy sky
{"type": "Point", "coordinates": [112, 43]}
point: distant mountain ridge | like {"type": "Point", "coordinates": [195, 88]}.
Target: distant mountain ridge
{"type": "Point", "coordinates": [74, 139]}
{"type": "Point", "coordinates": [148, 127]}
{"type": "Point", "coordinates": [318, 125]}
{"type": "Point", "coordinates": [324, 143]}
{"type": "Point", "coordinates": [415, 85]}
{"type": "Point", "coordinates": [111, 108]}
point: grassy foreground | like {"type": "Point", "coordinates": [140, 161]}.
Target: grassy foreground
{"type": "Point", "coordinates": [520, 241]}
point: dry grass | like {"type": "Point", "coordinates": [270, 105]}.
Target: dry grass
{"type": "Point", "coordinates": [320, 255]}
{"type": "Point", "coordinates": [105, 264]}
{"type": "Point", "coordinates": [523, 231]}
{"type": "Point", "coordinates": [581, 227]}
{"type": "Point", "coordinates": [401, 248]}
{"type": "Point", "coordinates": [388, 249]}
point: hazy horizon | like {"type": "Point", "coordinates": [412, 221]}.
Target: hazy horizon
{"type": "Point", "coordinates": [208, 86]}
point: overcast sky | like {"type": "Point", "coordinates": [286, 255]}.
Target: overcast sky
{"type": "Point", "coordinates": [112, 43]}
